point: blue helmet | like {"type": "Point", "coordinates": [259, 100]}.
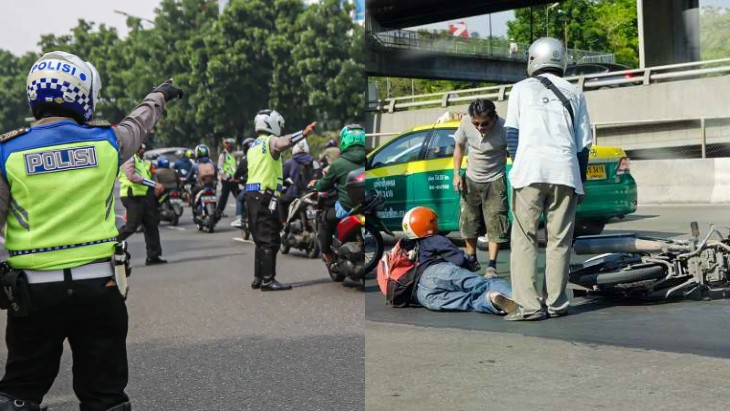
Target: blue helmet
{"type": "Point", "coordinates": [63, 80]}
{"type": "Point", "coordinates": [163, 162]}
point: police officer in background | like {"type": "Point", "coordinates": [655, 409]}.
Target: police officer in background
{"type": "Point", "coordinates": [65, 161]}
{"type": "Point", "coordinates": [226, 170]}
{"type": "Point", "coordinates": [138, 192]}
{"type": "Point", "coordinates": [263, 188]}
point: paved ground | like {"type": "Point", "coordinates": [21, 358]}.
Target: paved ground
{"type": "Point", "coordinates": [608, 355]}
{"type": "Point", "coordinates": [201, 339]}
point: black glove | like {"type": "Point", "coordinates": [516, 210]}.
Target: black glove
{"type": "Point", "coordinates": [472, 264]}
{"type": "Point", "coordinates": [171, 92]}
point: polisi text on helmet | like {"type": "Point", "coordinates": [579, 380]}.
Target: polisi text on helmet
{"type": "Point", "coordinates": [59, 65]}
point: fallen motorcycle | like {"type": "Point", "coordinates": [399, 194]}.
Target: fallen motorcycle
{"type": "Point", "coordinates": [654, 268]}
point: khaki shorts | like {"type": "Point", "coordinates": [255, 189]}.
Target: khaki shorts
{"type": "Point", "coordinates": [484, 202]}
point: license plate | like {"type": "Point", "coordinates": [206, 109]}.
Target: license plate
{"type": "Point", "coordinates": [311, 213]}
{"type": "Point", "coordinates": [596, 172]}
{"type": "Point", "coordinates": [208, 199]}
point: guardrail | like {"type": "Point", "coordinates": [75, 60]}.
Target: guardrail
{"type": "Point", "coordinates": [492, 47]}
{"type": "Point", "coordinates": [632, 77]}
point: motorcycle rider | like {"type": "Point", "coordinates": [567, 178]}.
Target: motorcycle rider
{"type": "Point", "coordinates": [241, 176]}
{"type": "Point", "coordinates": [226, 170]}
{"type": "Point", "coordinates": [330, 154]}
{"type": "Point", "coordinates": [55, 234]}
{"type": "Point", "coordinates": [352, 157]}
{"type": "Point", "coordinates": [263, 187]}
{"type": "Point", "coordinates": [203, 174]}
{"type": "Point", "coordinates": [300, 169]}
{"type": "Point", "coordinates": [182, 163]}
{"type": "Point", "coordinates": [165, 175]}
{"type": "Point", "coordinates": [138, 191]}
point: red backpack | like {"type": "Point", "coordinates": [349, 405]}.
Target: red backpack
{"type": "Point", "coordinates": [398, 275]}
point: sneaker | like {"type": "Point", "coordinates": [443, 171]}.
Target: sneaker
{"type": "Point", "coordinates": [520, 315]}
{"type": "Point", "coordinates": [503, 303]}
{"type": "Point", "coordinates": [237, 223]}
{"type": "Point", "coordinates": [328, 259]}
{"type": "Point", "coordinates": [155, 261]}
{"type": "Point", "coordinates": [490, 272]}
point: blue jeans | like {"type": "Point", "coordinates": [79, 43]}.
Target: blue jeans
{"type": "Point", "coordinates": [239, 203]}
{"type": "Point", "coordinates": [447, 287]}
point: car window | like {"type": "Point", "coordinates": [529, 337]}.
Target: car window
{"type": "Point", "coordinates": [441, 144]}
{"type": "Point", "coordinates": [404, 149]}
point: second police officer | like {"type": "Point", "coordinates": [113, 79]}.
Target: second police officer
{"type": "Point", "coordinates": [263, 188]}
{"type": "Point", "coordinates": [63, 244]}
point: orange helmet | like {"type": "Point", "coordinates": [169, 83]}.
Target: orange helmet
{"type": "Point", "coordinates": [420, 222]}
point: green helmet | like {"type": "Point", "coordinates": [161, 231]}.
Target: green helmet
{"type": "Point", "coordinates": [352, 135]}
{"type": "Point", "coordinates": [189, 153]}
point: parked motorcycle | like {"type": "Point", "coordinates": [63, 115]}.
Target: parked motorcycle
{"type": "Point", "coordinates": [170, 206]}
{"type": "Point", "coordinates": [206, 213]}
{"type": "Point", "coordinates": [300, 227]}
{"type": "Point", "coordinates": [655, 268]}
{"type": "Point", "coordinates": [358, 245]}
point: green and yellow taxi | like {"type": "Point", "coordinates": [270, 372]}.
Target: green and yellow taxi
{"type": "Point", "coordinates": [416, 167]}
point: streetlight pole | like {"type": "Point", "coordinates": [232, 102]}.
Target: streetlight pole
{"type": "Point", "coordinates": [547, 18]}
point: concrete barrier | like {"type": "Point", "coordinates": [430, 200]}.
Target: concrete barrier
{"type": "Point", "coordinates": [682, 181]}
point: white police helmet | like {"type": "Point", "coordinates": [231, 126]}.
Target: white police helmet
{"type": "Point", "coordinates": [63, 79]}
{"type": "Point", "coordinates": [546, 52]}
{"type": "Point", "coordinates": [269, 121]}
{"type": "Point", "coordinates": [300, 147]}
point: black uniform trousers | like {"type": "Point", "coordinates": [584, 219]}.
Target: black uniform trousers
{"type": "Point", "coordinates": [326, 227]}
{"type": "Point", "coordinates": [265, 227]}
{"type": "Point", "coordinates": [226, 188]}
{"type": "Point", "coordinates": [93, 316]}
{"type": "Point", "coordinates": [143, 210]}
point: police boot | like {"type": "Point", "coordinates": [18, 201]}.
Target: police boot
{"type": "Point", "coordinates": [125, 406]}
{"type": "Point", "coordinates": [268, 269]}
{"type": "Point", "coordinates": [256, 284]}
{"type": "Point", "coordinates": [8, 403]}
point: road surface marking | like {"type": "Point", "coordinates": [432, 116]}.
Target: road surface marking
{"type": "Point", "coordinates": [242, 240]}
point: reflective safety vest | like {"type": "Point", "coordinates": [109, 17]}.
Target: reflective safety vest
{"type": "Point", "coordinates": [263, 170]}
{"type": "Point", "coordinates": [61, 212]}
{"type": "Point", "coordinates": [142, 168]}
{"type": "Point", "coordinates": [229, 164]}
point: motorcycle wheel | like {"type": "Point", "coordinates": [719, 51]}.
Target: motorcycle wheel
{"type": "Point", "coordinates": [335, 276]}
{"type": "Point", "coordinates": [175, 220]}
{"type": "Point", "coordinates": [373, 252]}
{"type": "Point", "coordinates": [631, 275]}
{"type": "Point", "coordinates": [245, 233]}
{"type": "Point", "coordinates": [284, 248]}
{"type": "Point", "coordinates": [313, 250]}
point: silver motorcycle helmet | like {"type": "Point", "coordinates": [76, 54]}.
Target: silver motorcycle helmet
{"type": "Point", "coordinates": [546, 52]}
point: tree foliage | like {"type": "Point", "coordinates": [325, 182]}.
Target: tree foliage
{"type": "Point", "coordinates": [306, 62]}
{"type": "Point", "coordinates": [593, 25]}
{"type": "Point", "coordinates": [714, 33]}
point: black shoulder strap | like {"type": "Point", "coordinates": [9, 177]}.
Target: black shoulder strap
{"type": "Point", "coordinates": [566, 103]}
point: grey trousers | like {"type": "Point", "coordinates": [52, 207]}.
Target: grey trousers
{"type": "Point", "coordinates": [558, 203]}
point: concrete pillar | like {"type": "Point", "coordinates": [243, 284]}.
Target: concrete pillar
{"type": "Point", "coordinates": [668, 31]}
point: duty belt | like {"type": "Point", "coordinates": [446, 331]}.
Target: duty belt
{"type": "Point", "coordinates": [257, 187]}
{"type": "Point", "coordinates": [83, 272]}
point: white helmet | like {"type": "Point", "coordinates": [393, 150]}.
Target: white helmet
{"type": "Point", "coordinates": [270, 121]}
{"type": "Point", "coordinates": [300, 147]}
{"type": "Point", "coordinates": [546, 52]}
{"type": "Point", "coordinates": [63, 79]}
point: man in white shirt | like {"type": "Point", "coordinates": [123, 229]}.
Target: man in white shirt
{"type": "Point", "coordinates": [548, 136]}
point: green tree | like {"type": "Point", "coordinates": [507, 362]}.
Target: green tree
{"type": "Point", "coordinates": [592, 25]}
{"type": "Point", "coordinates": [714, 33]}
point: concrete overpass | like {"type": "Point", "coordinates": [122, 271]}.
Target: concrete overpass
{"type": "Point", "coordinates": [676, 111]}
{"type": "Point", "coordinates": [668, 34]}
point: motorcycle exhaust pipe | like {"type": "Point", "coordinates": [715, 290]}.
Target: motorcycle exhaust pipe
{"type": "Point", "coordinates": [617, 245]}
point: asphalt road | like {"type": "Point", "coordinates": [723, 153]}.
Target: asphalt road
{"type": "Point", "coordinates": [201, 339]}
{"type": "Point", "coordinates": [607, 354]}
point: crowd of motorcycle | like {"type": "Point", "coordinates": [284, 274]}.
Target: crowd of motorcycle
{"type": "Point", "coordinates": [357, 245]}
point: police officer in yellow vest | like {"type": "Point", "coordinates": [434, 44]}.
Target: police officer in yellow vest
{"type": "Point", "coordinates": [138, 191]}
{"type": "Point", "coordinates": [226, 169]}
{"type": "Point", "coordinates": [57, 208]}
{"type": "Point", "coordinates": [263, 188]}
